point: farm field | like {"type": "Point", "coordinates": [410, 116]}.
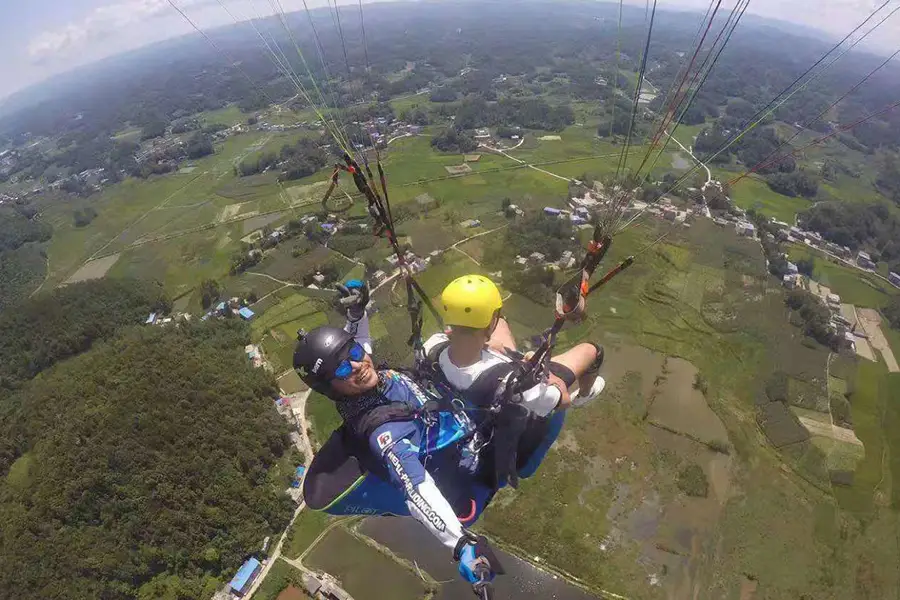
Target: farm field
{"type": "Point", "coordinates": [694, 332]}
{"type": "Point", "coordinates": [358, 565]}
{"type": "Point", "coordinates": [852, 285]}
{"type": "Point", "coordinates": [754, 193]}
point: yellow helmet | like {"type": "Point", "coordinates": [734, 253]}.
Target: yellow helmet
{"type": "Point", "coordinates": [470, 301]}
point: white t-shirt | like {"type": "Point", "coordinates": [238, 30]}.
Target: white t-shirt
{"type": "Point", "coordinates": [540, 399]}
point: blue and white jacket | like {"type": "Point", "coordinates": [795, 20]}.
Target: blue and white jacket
{"type": "Point", "coordinates": [422, 455]}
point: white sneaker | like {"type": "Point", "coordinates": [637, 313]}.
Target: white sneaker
{"type": "Point", "coordinates": [580, 400]}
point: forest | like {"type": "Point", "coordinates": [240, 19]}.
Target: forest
{"type": "Point", "coordinates": [145, 472]}
{"type": "Point", "coordinates": [295, 160]}
{"type": "Point", "coordinates": [22, 260]}
{"type": "Point", "coordinates": [134, 461]}
{"type": "Point", "coordinates": [874, 226]}
{"type": "Point", "coordinates": [42, 331]}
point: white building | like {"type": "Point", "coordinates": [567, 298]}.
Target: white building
{"type": "Point", "coordinates": [791, 281]}
{"type": "Point", "coordinates": [746, 229]}
{"type": "Point", "coordinates": [864, 260]}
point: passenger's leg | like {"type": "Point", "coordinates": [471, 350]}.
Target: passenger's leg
{"type": "Point", "coordinates": [502, 337]}
{"type": "Point", "coordinates": [584, 362]}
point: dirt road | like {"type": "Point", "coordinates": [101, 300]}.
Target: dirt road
{"type": "Point", "coordinates": [870, 320]}
{"type": "Point", "coordinates": [298, 407]}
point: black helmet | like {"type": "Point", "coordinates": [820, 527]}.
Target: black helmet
{"type": "Point", "coordinates": [319, 352]}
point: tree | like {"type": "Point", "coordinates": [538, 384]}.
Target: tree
{"type": "Point", "coordinates": [137, 508]}
{"type": "Point", "coordinates": [799, 183]}
{"type": "Point", "coordinates": [209, 292]}
{"type": "Point", "coordinates": [888, 180]}
{"type": "Point", "coordinates": [618, 125]}
{"type": "Point", "coordinates": [806, 266]}
{"type": "Point", "coordinates": [892, 313]}
{"type": "Point", "coordinates": [443, 94]}
{"type": "Point", "coordinates": [452, 140]}
{"type": "Point", "coordinates": [83, 217]}
{"type": "Point", "coordinates": [199, 145]}
{"type": "Point", "coordinates": [153, 129]}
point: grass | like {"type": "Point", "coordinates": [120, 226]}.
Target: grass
{"type": "Point", "coordinates": [308, 525]}
{"type": "Point", "coordinates": [18, 478]}
{"type": "Point", "coordinates": [852, 285]}
{"type": "Point", "coordinates": [322, 416]}
{"type": "Point", "coordinates": [692, 481]}
{"type": "Point", "coordinates": [756, 194]}
{"type": "Point", "coordinates": [868, 403]}
{"type": "Point", "coordinates": [228, 115]}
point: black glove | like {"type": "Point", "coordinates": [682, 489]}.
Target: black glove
{"type": "Point", "coordinates": [354, 297]}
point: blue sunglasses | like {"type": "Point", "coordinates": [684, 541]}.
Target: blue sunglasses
{"type": "Point", "coordinates": [344, 369]}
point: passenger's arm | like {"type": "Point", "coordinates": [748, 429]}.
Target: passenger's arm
{"type": "Point", "coordinates": [394, 443]}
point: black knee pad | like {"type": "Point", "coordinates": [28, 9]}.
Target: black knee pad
{"type": "Point", "coordinates": [598, 362]}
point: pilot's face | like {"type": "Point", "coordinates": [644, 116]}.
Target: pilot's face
{"type": "Point", "coordinates": [363, 378]}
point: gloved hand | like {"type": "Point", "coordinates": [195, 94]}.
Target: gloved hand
{"type": "Point", "coordinates": [354, 297]}
{"type": "Point", "coordinates": [478, 565]}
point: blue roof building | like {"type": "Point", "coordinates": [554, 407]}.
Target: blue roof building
{"type": "Point", "coordinates": [220, 307]}
{"type": "Point", "coordinates": [551, 211]}
{"type": "Point", "coordinates": [243, 579]}
{"type": "Point", "coordinates": [246, 313]}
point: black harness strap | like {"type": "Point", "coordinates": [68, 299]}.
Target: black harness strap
{"type": "Point", "coordinates": [366, 424]}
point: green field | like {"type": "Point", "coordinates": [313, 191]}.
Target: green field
{"type": "Point", "coordinates": [753, 193]}
{"type": "Point", "coordinates": [701, 294]}
{"type": "Point", "coordinates": [279, 577]}
{"type": "Point", "coordinates": [228, 115]}
{"type": "Point", "coordinates": [308, 525]}
{"type": "Point", "coordinates": [852, 285]}
{"type": "Point", "coordinates": [358, 565]}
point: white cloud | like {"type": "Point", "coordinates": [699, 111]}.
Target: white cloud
{"type": "Point", "coordinates": [103, 21]}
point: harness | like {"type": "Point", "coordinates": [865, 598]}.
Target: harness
{"type": "Point", "coordinates": [503, 421]}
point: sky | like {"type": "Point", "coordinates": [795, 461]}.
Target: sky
{"type": "Point", "coordinates": [40, 38]}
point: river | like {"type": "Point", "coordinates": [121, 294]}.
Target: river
{"type": "Point", "coordinates": [522, 581]}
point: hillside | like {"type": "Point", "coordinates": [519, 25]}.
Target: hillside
{"type": "Point", "coordinates": [147, 473]}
